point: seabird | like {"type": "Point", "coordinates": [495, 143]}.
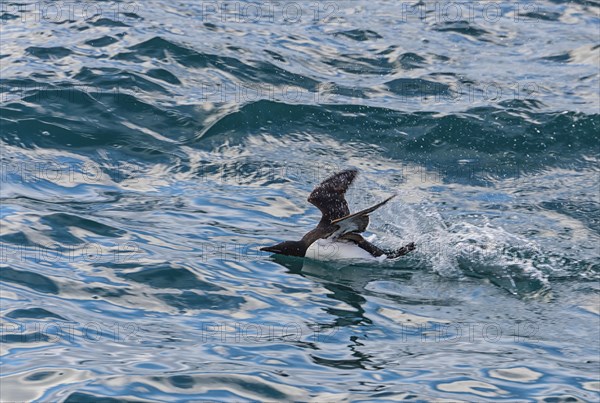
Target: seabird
{"type": "Point", "coordinates": [338, 234]}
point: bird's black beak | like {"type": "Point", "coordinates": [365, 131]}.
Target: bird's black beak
{"type": "Point", "coordinates": [272, 249]}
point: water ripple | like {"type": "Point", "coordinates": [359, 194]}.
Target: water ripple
{"type": "Point", "coordinates": [149, 151]}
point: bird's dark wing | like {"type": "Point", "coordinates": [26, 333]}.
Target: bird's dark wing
{"type": "Point", "coordinates": [329, 195]}
{"type": "Point", "coordinates": [357, 222]}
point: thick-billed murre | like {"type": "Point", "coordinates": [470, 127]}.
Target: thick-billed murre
{"type": "Point", "coordinates": [338, 234]}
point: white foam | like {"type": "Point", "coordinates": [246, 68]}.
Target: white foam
{"type": "Point", "coordinates": [463, 248]}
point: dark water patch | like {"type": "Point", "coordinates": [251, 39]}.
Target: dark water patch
{"type": "Point", "coordinates": [132, 14]}
{"type": "Point", "coordinates": [358, 363]}
{"type": "Point", "coordinates": [562, 398]}
{"type": "Point", "coordinates": [582, 55]}
{"type": "Point", "coordinates": [362, 65]}
{"type": "Point", "coordinates": [40, 376]}
{"type": "Point", "coordinates": [212, 27]}
{"type": "Point", "coordinates": [511, 277]}
{"type": "Point", "coordinates": [105, 292]}
{"type": "Point", "coordinates": [541, 140]}
{"type": "Point", "coordinates": [187, 300]}
{"type": "Point", "coordinates": [182, 381]}
{"type": "Point", "coordinates": [461, 27]}
{"type": "Point", "coordinates": [63, 127]}
{"type": "Point", "coordinates": [162, 49]}
{"type": "Point", "coordinates": [108, 78]}
{"type": "Point", "coordinates": [50, 53]}
{"type": "Point", "coordinates": [246, 385]}
{"type": "Point", "coordinates": [441, 58]}
{"type": "Point", "coordinates": [560, 58]}
{"type": "Point", "coordinates": [28, 279]}
{"type": "Point", "coordinates": [34, 337]}
{"type": "Point", "coordinates": [281, 118]}
{"type": "Point", "coordinates": [350, 92]}
{"type": "Point", "coordinates": [588, 212]}
{"type": "Point", "coordinates": [265, 72]}
{"type": "Point", "coordinates": [542, 15]}
{"type": "Point", "coordinates": [260, 72]}
{"type": "Point", "coordinates": [32, 132]}
{"type": "Point", "coordinates": [170, 277]}
{"type": "Point", "coordinates": [56, 131]}
{"type": "Point", "coordinates": [529, 104]}
{"type": "Point", "coordinates": [18, 238]}
{"type": "Point", "coordinates": [163, 75]}
{"type": "Point", "coordinates": [40, 91]}
{"type": "Point", "coordinates": [107, 22]}
{"type": "Point", "coordinates": [127, 57]}
{"type": "Point", "coordinates": [62, 236]}
{"type": "Point", "coordinates": [359, 35]}
{"type": "Point", "coordinates": [33, 313]}
{"type": "Point", "coordinates": [102, 41]}
{"type": "Point", "coordinates": [276, 56]}
{"type": "Point", "coordinates": [533, 140]}
{"type": "Point", "coordinates": [417, 87]}
{"type": "Point", "coordinates": [80, 397]}
{"type": "Point", "coordinates": [388, 50]}
{"type": "Point", "coordinates": [405, 61]}
{"type": "Point", "coordinates": [291, 290]}
{"type": "Point", "coordinates": [8, 17]}
{"type": "Point", "coordinates": [349, 315]}
{"type": "Point", "coordinates": [25, 88]}
{"type": "Point", "coordinates": [61, 221]}
{"type": "Point", "coordinates": [410, 61]}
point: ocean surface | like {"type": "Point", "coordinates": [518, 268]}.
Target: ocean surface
{"type": "Point", "coordinates": [149, 149]}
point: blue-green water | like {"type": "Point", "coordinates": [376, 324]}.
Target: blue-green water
{"type": "Point", "coordinates": [149, 149]}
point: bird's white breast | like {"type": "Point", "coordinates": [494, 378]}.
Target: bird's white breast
{"type": "Point", "coordinates": [326, 249]}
